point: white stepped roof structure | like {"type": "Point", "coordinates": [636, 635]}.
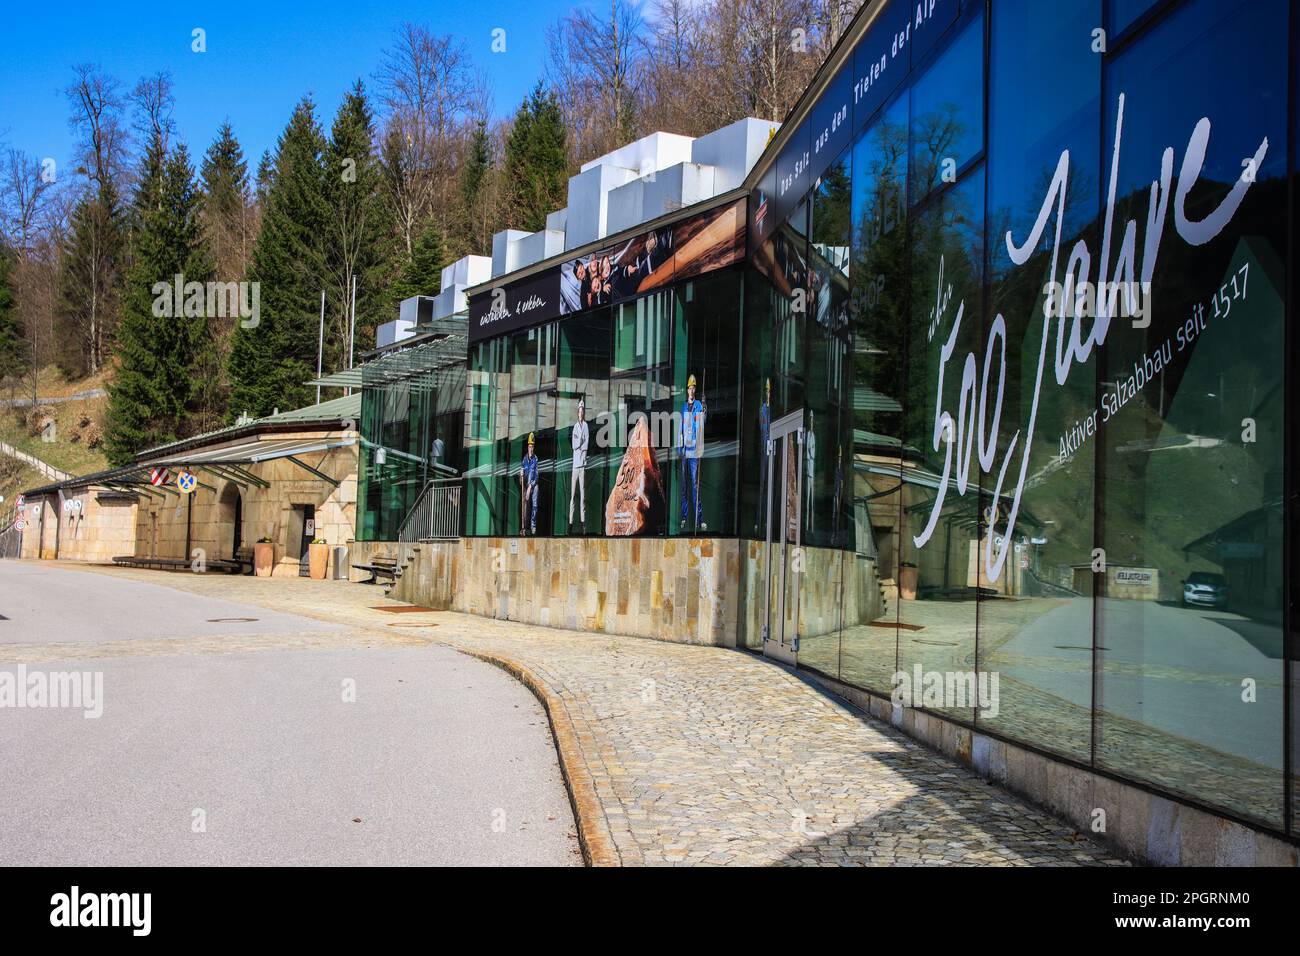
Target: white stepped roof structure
{"type": "Point", "coordinates": [648, 178]}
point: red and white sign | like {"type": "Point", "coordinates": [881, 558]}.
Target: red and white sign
{"type": "Point", "coordinates": [159, 476]}
{"type": "Point", "coordinates": [20, 524]}
{"type": "Point", "coordinates": [20, 501]}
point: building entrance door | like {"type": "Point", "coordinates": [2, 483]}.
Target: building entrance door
{"type": "Point", "coordinates": [784, 538]}
{"type": "Point", "coordinates": [237, 541]}
{"type": "Point", "coordinates": [307, 515]}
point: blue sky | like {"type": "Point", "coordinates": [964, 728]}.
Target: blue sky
{"type": "Point", "coordinates": [261, 58]}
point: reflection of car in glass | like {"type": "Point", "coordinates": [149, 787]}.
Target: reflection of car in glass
{"type": "Point", "coordinates": [1203, 589]}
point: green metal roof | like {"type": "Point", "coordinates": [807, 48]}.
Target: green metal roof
{"type": "Point", "coordinates": [335, 410]}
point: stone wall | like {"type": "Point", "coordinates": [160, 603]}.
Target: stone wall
{"type": "Point", "coordinates": [824, 603]}
{"type": "Point", "coordinates": [1147, 826]}
{"type": "Point", "coordinates": [693, 591]}
{"type": "Point", "coordinates": [98, 526]}
{"type": "Point", "coordinates": [674, 589]}
{"type": "Point", "coordinates": [429, 571]}
{"type": "Point", "coordinates": [41, 514]}
{"type": "Point", "coordinates": [267, 512]}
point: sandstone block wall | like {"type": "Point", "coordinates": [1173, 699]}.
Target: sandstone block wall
{"type": "Point", "coordinates": [267, 512]}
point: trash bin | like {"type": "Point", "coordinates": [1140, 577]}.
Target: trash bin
{"type": "Point", "coordinates": [340, 562]}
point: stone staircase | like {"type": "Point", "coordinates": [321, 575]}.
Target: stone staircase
{"type": "Point", "coordinates": [888, 596]}
{"type": "Point", "coordinates": [403, 566]}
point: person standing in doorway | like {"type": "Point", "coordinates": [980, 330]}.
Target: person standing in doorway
{"type": "Point", "coordinates": [691, 448]}
{"type": "Point", "coordinates": [528, 482]}
{"type": "Point", "coordinates": [580, 437]}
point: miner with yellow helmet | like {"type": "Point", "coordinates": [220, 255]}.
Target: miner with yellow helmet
{"type": "Point", "coordinates": [690, 448]}
{"type": "Point", "coordinates": [528, 484]}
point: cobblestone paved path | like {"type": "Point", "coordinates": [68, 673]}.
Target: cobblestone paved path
{"type": "Point", "coordinates": [693, 755]}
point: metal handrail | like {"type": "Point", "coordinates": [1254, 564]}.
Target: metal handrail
{"type": "Point", "coordinates": [435, 514]}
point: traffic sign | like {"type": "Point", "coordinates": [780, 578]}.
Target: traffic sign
{"type": "Point", "coordinates": [186, 481]}
{"type": "Point", "coordinates": [20, 501]}
{"type": "Point", "coordinates": [159, 476]}
{"type": "Point", "coordinates": [20, 524]}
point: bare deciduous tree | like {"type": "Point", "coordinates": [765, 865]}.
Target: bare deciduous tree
{"type": "Point", "coordinates": [430, 93]}
{"type": "Point", "coordinates": [685, 66]}
{"type": "Point", "coordinates": [595, 65]}
{"type": "Point", "coordinates": [96, 101]}
{"type": "Point", "coordinates": [154, 100]}
{"type": "Point", "coordinates": [22, 195]}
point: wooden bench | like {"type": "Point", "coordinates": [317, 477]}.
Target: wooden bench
{"type": "Point", "coordinates": [230, 566]}
{"type": "Point", "coordinates": [379, 565]}
{"type": "Point", "coordinates": [245, 558]}
{"type": "Point", "coordinates": [137, 561]}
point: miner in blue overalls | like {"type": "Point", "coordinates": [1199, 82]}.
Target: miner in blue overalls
{"type": "Point", "coordinates": [764, 436]}
{"type": "Point", "coordinates": [528, 482]}
{"type": "Point", "coordinates": [690, 448]}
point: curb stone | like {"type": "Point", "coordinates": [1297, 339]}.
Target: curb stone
{"type": "Point", "coordinates": [593, 829]}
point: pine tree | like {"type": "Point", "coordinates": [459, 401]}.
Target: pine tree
{"type": "Point", "coordinates": [423, 274]}
{"type": "Point", "coordinates": [271, 361]}
{"type": "Point", "coordinates": [13, 360]}
{"type": "Point", "coordinates": [359, 240]}
{"type": "Point", "coordinates": [536, 168]}
{"type": "Point", "coordinates": [265, 173]}
{"type": "Point", "coordinates": [156, 396]}
{"type": "Point", "coordinates": [224, 175]}
{"type": "Point", "coordinates": [90, 281]}
{"type": "Point", "coordinates": [227, 225]}
{"type": "Point", "coordinates": [475, 231]}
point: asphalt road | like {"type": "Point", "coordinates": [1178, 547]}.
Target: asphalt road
{"type": "Point", "coordinates": [205, 757]}
{"type": "Point", "coordinates": [54, 605]}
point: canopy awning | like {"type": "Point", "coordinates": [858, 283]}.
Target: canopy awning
{"type": "Point", "coordinates": [226, 463]}
{"type": "Point", "coordinates": [423, 367]}
{"type": "Point", "coordinates": [249, 452]}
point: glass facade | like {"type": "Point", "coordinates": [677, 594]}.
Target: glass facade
{"type": "Point", "coordinates": [1018, 285]}
{"type": "Point", "coordinates": [1063, 404]}
{"type": "Point", "coordinates": [641, 395]}
{"type": "Point", "coordinates": [413, 423]}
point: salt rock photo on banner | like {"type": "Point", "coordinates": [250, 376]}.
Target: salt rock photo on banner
{"type": "Point", "coordinates": [637, 503]}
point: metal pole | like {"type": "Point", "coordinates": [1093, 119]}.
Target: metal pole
{"type": "Point", "coordinates": [320, 344]}
{"type": "Point", "coordinates": [352, 325]}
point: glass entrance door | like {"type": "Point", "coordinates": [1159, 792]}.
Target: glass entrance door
{"type": "Point", "coordinates": [784, 538]}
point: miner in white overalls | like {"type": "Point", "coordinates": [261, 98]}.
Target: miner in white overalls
{"type": "Point", "coordinates": [581, 437]}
